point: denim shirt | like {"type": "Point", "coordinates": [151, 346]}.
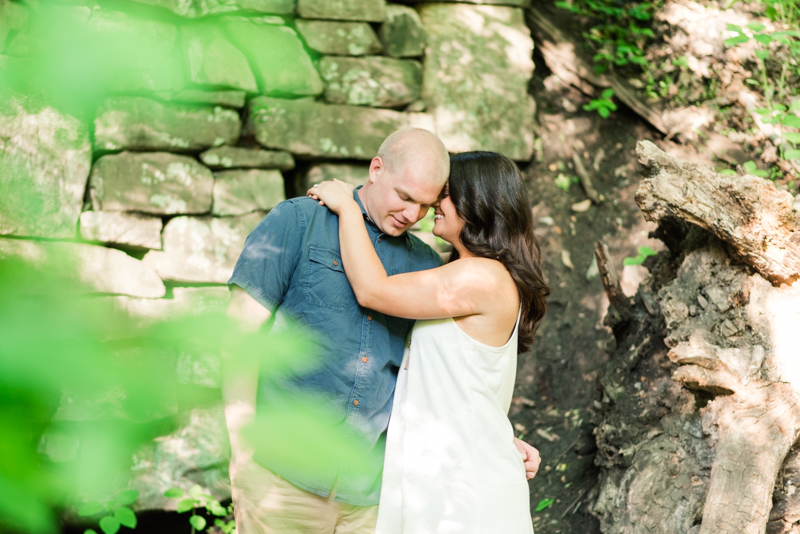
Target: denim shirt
{"type": "Point", "coordinates": [291, 264]}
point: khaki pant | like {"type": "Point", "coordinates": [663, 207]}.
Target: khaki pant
{"type": "Point", "coordinates": [265, 503]}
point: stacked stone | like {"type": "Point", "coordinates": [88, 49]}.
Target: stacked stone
{"type": "Point", "coordinates": [195, 138]}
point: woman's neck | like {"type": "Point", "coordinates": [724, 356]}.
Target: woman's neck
{"type": "Point", "coordinates": [462, 250]}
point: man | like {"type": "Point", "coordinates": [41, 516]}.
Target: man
{"type": "Point", "coordinates": [290, 267]}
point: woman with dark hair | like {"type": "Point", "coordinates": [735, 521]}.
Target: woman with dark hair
{"type": "Point", "coordinates": [451, 465]}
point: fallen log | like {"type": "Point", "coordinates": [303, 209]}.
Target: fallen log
{"type": "Point", "coordinates": [746, 212]}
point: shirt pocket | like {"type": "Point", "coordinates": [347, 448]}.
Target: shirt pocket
{"type": "Point", "coordinates": [326, 284]}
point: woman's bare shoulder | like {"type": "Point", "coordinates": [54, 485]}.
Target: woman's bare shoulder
{"type": "Point", "coordinates": [486, 274]}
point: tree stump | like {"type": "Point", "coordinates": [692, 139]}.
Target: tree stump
{"type": "Point", "coordinates": [697, 425]}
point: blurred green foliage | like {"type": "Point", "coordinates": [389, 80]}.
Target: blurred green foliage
{"type": "Point", "coordinates": [644, 253]}
{"type": "Point", "coordinates": [115, 512]}
{"type": "Point", "coordinates": [57, 344]}
{"type": "Point", "coordinates": [73, 54]}
{"type": "Point", "coordinates": [196, 498]}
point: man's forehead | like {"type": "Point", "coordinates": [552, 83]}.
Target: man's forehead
{"type": "Point", "coordinates": [423, 190]}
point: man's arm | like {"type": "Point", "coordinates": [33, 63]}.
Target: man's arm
{"type": "Point", "coordinates": [240, 373]}
{"type": "Point", "coordinates": [530, 455]}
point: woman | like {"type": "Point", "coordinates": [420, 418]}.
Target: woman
{"type": "Point", "coordinates": [451, 465]}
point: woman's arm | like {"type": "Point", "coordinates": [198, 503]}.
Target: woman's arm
{"type": "Point", "coordinates": [453, 290]}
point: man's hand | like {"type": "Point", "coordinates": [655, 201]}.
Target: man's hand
{"type": "Point", "coordinates": [530, 456]}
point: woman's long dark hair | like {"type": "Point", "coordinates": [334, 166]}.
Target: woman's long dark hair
{"type": "Point", "coordinates": [487, 191]}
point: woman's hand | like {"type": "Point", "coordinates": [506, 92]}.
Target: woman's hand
{"type": "Point", "coordinates": [336, 195]}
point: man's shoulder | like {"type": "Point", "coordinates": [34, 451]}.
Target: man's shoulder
{"type": "Point", "coordinates": [304, 208]}
{"type": "Point", "coordinates": [422, 253]}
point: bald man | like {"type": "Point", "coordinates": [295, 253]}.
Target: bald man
{"type": "Point", "coordinates": [291, 267]}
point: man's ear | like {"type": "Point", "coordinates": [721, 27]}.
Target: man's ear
{"type": "Point", "coordinates": [376, 169]}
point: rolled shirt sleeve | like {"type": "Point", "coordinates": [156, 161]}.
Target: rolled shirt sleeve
{"type": "Point", "coordinates": [270, 256]}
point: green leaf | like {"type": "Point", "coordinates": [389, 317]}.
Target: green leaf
{"type": "Point", "coordinates": [763, 38]}
{"type": "Point", "coordinates": [749, 166]}
{"type": "Point", "coordinates": [174, 493]}
{"type": "Point", "coordinates": [727, 172]}
{"type": "Point", "coordinates": [792, 154]}
{"type": "Point", "coordinates": [544, 504]}
{"type": "Point", "coordinates": [563, 182]}
{"type": "Point", "coordinates": [795, 105]}
{"type": "Point", "coordinates": [612, 106]}
{"type": "Point", "coordinates": [109, 524]}
{"type": "Point", "coordinates": [603, 112]}
{"type": "Point", "coordinates": [770, 120]}
{"type": "Point", "coordinates": [198, 522]}
{"type": "Point", "coordinates": [647, 251]}
{"type": "Point", "coordinates": [733, 28]}
{"type": "Point", "coordinates": [217, 509]}
{"type": "Point", "coordinates": [763, 111]}
{"type": "Point", "coordinates": [89, 531]}
{"type": "Point", "coordinates": [567, 6]}
{"type": "Point", "coordinates": [791, 121]}
{"type": "Point", "coordinates": [781, 38]}
{"type": "Point", "coordinates": [751, 81]}
{"type": "Point", "coordinates": [632, 260]}
{"type": "Point", "coordinates": [607, 94]}
{"type": "Point", "coordinates": [733, 41]}
{"type": "Point", "coordinates": [756, 26]}
{"type": "Point", "coordinates": [196, 491]}
{"type": "Point", "coordinates": [792, 137]}
{"type": "Point", "coordinates": [127, 497]}
{"type": "Point", "coordinates": [125, 516]}
{"type": "Point", "coordinates": [779, 107]}
{"type": "Point", "coordinates": [91, 508]}
{"type": "Point", "coordinates": [186, 504]}
{"type": "Point", "coordinates": [762, 54]}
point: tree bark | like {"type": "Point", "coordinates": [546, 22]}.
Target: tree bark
{"type": "Point", "coordinates": [757, 424]}
{"type": "Point", "coordinates": [746, 212]}
{"type": "Point", "coordinates": [700, 416]}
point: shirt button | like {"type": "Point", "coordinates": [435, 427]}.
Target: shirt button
{"type": "Point", "coordinates": [355, 402]}
{"type": "Point", "coordinates": [369, 317]}
{"type": "Point", "coordinates": [379, 240]}
{"type": "Point", "coordinates": [335, 263]}
{"type": "Point", "coordinates": [364, 359]}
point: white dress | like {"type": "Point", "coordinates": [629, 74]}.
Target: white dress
{"type": "Point", "coordinates": [451, 466]}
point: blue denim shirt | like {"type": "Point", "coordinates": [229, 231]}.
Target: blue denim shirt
{"type": "Point", "coordinates": [291, 264]}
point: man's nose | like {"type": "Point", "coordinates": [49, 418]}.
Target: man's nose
{"type": "Point", "coordinates": [413, 213]}
{"type": "Point", "coordinates": [421, 212]}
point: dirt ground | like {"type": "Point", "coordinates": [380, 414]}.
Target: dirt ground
{"type": "Point", "coordinates": [557, 391]}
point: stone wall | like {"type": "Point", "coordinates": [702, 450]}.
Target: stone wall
{"type": "Point", "coordinates": [196, 118]}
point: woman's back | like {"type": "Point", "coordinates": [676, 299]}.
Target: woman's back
{"type": "Point", "coordinates": [451, 464]}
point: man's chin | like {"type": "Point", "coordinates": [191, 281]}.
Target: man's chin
{"type": "Point", "coordinates": [394, 231]}
{"type": "Point", "coordinates": [391, 228]}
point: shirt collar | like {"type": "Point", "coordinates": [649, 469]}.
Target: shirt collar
{"type": "Point", "coordinates": [369, 220]}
